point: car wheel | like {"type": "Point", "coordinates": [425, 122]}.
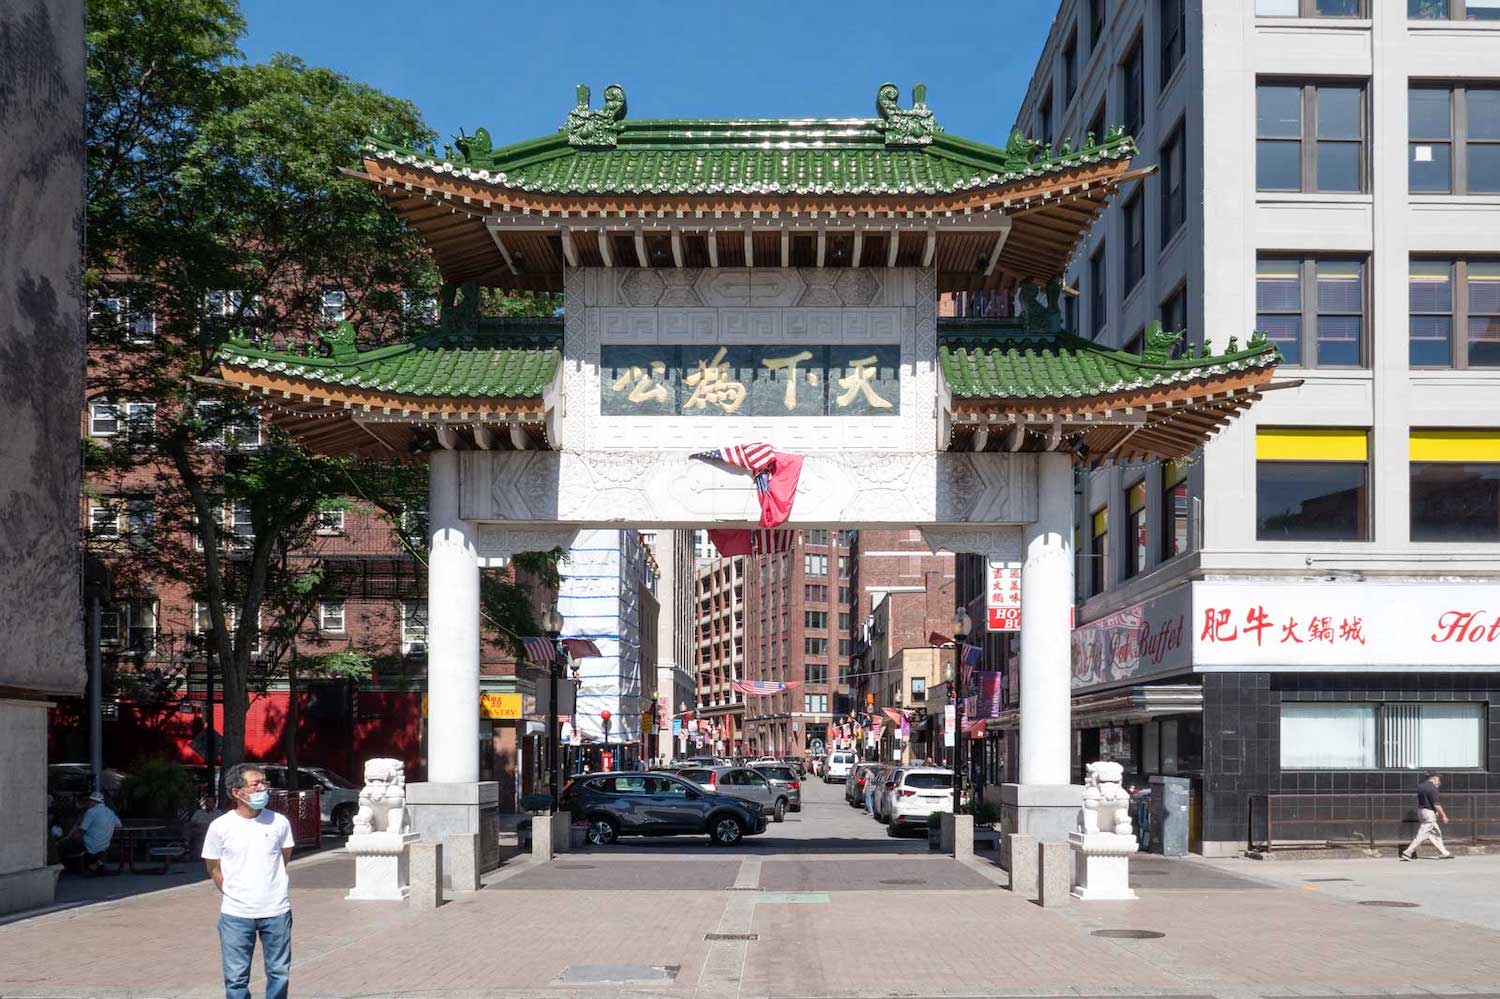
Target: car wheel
{"type": "Point", "coordinates": [343, 821]}
{"type": "Point", "coordinates": [726, 830]}
{"type": "Point", "coordinates": [779, 812]}
{"type": "Point", "coordinates": [892, 830]}
{"type": "Point", "coordinates": [603, 831]}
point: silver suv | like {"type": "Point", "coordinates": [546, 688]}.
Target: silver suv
{"type": "Point", "coordinates": [745, 783]}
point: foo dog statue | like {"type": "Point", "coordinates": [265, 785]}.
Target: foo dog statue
{"type": "Point", "coordinates": [1106, 805]}
{"type": "Point", "coordinates": [1104, 842]}
{"type": "Point", "coordinates": [382, 804]}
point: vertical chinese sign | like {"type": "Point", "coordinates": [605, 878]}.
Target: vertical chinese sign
{"type": "Point", "coordinates": [1003, 596]}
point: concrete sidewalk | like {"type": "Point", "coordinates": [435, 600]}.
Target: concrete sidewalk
{"type": "Point", "coordinates": [547, 930]}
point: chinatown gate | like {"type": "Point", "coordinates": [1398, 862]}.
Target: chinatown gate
{"type": "Point", "coordinates": [737, 281]}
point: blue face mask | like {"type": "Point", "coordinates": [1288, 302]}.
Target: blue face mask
{"type": "Point", "coordinates": [258, 799]}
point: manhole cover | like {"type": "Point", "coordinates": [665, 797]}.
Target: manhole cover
{"type": "Point", "coordinates": [731, 936]}
{"type": "Point", "coordinates": [1327, 879]}
{"type": "Point", "coordinates": [572, 867]}
{"type": "Point", "coordinates": [1128, 934]}
{"type": "Point", "coordinates": [902, 881]}
{"type": "Point", "coordinates": [1386, 903]}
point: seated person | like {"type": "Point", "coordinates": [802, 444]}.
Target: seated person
{"type": "Point", "coordinates": [83, 849]}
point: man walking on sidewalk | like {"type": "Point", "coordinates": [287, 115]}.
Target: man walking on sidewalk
{"type": "Point", "coordinates": [1430, 809]}
{"type": "Point", "coordinates": [246, 851]}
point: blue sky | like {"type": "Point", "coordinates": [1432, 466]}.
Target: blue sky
{"type": "Point", "coordinates": [512, 67]}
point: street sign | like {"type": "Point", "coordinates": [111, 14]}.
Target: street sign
{"type": "Point", "coordinates": [950, 721]}
{"type": "Point", "coordinates": [1003, 596]}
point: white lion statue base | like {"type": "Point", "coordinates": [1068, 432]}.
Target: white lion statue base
{"type": "Point", "coordinates": [1104, 841]}
{"type": "Point", "coordinates": [381, 835]}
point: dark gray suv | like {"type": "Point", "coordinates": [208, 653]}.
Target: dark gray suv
{"type": "Point", "coordinates": [656, 804]}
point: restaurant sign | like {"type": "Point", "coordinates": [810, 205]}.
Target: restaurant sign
{"type": "Point", "coordinates": [750, 380]}
{"type": "Point", "coordinates": [1145, 639]}
{"type": "Point", "coordinates": [1348, 626]}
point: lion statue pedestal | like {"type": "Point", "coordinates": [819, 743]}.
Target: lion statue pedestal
{"type": "Point", "coordinates": [1104, 841]}
{"type": "Point", "coordinates": [381, 836]}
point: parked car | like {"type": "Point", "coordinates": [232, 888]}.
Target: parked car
{"type": "Point", "coordinates": [338, 802]}
{"type": "Point", "coordinates": [784, 780]}
{"type": "Point", "coordinates": [743, 782]}
{"type": "Point", "coordinates": [837, 767]}
{"type": "Point", "coordinates": [920, 792]}
{"type": "Point", "coordinates": [854, 786]}
{"type": "Point", "coordinates": [658, 804]}
{"type": "Point", "coordinates": [889, 781]}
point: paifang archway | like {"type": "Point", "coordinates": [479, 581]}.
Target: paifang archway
{"type": "Point", "coordinates": [735, 281]}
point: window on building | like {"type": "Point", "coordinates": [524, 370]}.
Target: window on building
{"type": "Point", "coordinates": [1172, 161]}
{"type": "Point", "coordinates": [843, 620]}
{"type": "Point", "coordinates": [140, 421]}
{"type": "Point", "coordinates": [1096, 125]}
{"type": "Point", "coordinates": [1135, 527]}
{"type": "Point", "coordinates": [1309, 8]}
{"type": "Point", "coordinates": [104, 519]}
{"type": "Point", "coordinates": [141, 623]}
{"type": "Point", "coordinates": [1070, 312]}
{"type": "Point", "coordinates": [815, 593]}
{"type": "Point", "coordinates": [1098, 12]}
{"type": "Point", "coordinates": [844, 563]}
{"type": "Point", "coordinates": [1309, 137]}
{"type": "Point", "coordinates": [1132, 92]}
{"type": "Point", "coordinates": [815, 646]}
{"type": "Point", "coordinates": [918, 689]}
{"type": "Point", "coordinates": [817, 620]}
{"type": "Point", "coordinates": [816, 704]}
{"type": "Point", "coordinates": [814, 565]}
{"type": "Point", "coordinates": [414, 627]}
{"type": "Point", "coordinates": [1454, 313]}
{"type": "Point", "coordinates": [331, 521]}
{"type": "Point", "coordinates": [1099, 575]}
{"type": "Point", "coordinates": [1098, 291]}
{"type": "Point", "coordinates": [1174, 509]}
{"type": "Point", "coordinates": [333, 306]}
{"type": "Point", "coordinates": [420, 307]}
{"type": "Point", "coordinates": [1455, 485]}
{"type": "Point", "coordinates": [1391, 736]}
{"type": "Point", "coordinates": [1174, 311]}
{"type": "Point", "coordinates": [1135, 241]}
{"type": "Point", "coordinates": [1312, 484]}
{"type": "Point", "coordinates": [1313, 309]}
{"type": "Point", "coordinates": [239, 524]}
{"type": "Point", "coordinates": [846, 595]}
{"type": "Point", "coordinates": [331, 617]}
{"type": "Point", "coordinates": [849, 537]}
{"type": "Point", "coordinates": [120, 317]}
{"type": "Point", "coordinates": [817, 672]}
{"type": "Point", "coordinates": [1070, 68]}
{"type": "Point", "coordinates": [1453, 10]}
{"type": "Point", "coordinates": [1173, 37]}
{"type": "Point", "coordinates": [1454, 139]}
{"type": "Point", "coordinates": [815, 537]}
{"type": "Point", "coordinates": [846, 647]}
{"type": "Point", "coordinates": [1044, 122]}
{"type": "Point", "coordinates": [104, 418]}
{"type": "Point", "coordinates": [239, 431]}
{"type": "Point", "coordinates": [110, 621]}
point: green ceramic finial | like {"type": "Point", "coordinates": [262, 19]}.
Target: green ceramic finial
{"type": "Point", "coordinates": [914, 127]}
{"type": "Point", "coordinates": [341, 341]}
{"type": "Point", "coordinates": [601, 128]}
{"type": "Point", "coordinates": [1158, 344]}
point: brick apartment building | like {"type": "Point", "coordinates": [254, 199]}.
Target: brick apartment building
{"type": "Point", "coordinates": [717, 724]}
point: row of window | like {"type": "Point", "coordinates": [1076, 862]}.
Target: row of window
{"type": "Point", "coordinates": [1382, 736]}
{"type": "Point", "coordinates": [1172, 530]}
{"type": "Point", "coordinates": [817, 565]}
{"type": "Point", "coordinates": [1314, 136]}
{"type": "Point", "coordinates": [133, 624]}
{"type": "Point", "coordinates": [1416, 10]}
{"type": "Point", "coordinates": [817, 620]}
{"type": "Point", "coordinates": [136, 420]}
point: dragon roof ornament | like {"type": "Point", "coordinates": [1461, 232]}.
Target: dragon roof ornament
{"type": "Point", "coordinates": [601, 128]}
{"type": "Point", "coordinates": [905, 127]}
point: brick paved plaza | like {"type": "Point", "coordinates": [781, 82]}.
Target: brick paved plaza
{"type": "Point", "coordinates": [840, 910]}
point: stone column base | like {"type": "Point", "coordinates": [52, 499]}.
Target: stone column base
{"type": "Point", "coordinates": [28, 889]}
{"type": "Point", "coordinates": [1101, 866]}
{"type": "Point", "coordinates": [466, 819]}
{"type": "Point", "coordinates": [957, 835]}
{"type": "Point", "coordinates": [1047, 811]}
{"type": "Point", "coordinates": [426, 876]}
{"type": "Point", "coordinates": [381, 866]}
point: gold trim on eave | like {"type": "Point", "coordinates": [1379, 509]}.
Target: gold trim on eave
{"type": "Point", "coordinates": [1311, 444]}
{"type": "Point", "coordinates": [1455, 445]}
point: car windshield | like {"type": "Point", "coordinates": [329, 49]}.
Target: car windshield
{"type": "Point", "coordinates": [778, 773]}
{"type": "Point", "coordinates": [330, 778]}
{"type": "Point", "coordinates": [930, 780]}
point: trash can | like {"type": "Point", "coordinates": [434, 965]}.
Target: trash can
{"type": "Point", "coordinates": [304, 811]}
{"type": "Point", "coordinates": [1169, 816]}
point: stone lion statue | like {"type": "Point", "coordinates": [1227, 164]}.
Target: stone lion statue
{"type": "Point", "coordinates": [1106, 805]}
{"type": "Point", "coordinates": [382, 804]}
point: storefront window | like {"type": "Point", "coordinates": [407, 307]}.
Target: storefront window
{"type": "Point", "coordinates": [1410, 736]}
{"type": "Point", "coordinates": [1328, 736]}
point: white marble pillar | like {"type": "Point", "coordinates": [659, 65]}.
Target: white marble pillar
{"type": "Point", "coordinates": [1046, 627]}
{"type": "Point", "coordinates": [452, 632]}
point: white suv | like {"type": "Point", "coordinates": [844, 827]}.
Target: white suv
{"type": "Point", "coordinates": [839, 765]}
{"type": "Point", "coordinates": [919, 792]}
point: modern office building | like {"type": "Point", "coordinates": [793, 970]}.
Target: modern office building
{"type": "Point", "coordinates": [1307, 607]}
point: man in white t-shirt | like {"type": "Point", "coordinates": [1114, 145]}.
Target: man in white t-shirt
{"type": "Point", "coordinates": [246, 851]}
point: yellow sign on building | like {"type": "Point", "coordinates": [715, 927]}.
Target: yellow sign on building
{"type": "Point", "coordinates": [502, 707]}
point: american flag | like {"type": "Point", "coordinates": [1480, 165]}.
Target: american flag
{"type": "Point", "coordinates": [581, 648]}
{"type": "Point", "coordinates": [762, 688]}
{"type": "Point", "coordinates": [972, 655]}
{"type": "Point", "coordinates": [540, 650]}
{"type": "Point", "coordinates": [776, 474]}
{"type": "Point", "coordinates": [761, 541]}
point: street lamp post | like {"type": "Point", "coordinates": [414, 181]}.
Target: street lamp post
{"type": "Point", "coordinates": [961, 626]}
{"type": "Point", "coordinates": [604, 716]}
{"type": "Point", "coordinates": [552, 624]}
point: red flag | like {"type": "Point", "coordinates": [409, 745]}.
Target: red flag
{"type": "Point", "coordinates": [777, 498]}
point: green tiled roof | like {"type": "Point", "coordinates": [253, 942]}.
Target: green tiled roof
{"type": "Point", "coordinates": [1001, 359]}
{"type": "Point", "coordinates": [901, 152]}
{"type": "Point", "coordinates": [502, 359]}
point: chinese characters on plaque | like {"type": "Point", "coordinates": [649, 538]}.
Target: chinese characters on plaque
{"type": "Point", "coordinates": [1004, 596]}
{"type": "Point", "coordinates": [1257, 626]}
{"type": "Point", "coordinates": [748, 380]}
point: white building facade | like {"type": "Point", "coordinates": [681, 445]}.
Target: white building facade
{"type": "Point", "coordinates": [1306, 607]}
{"type": "Point", "coordinates": [676, 680]}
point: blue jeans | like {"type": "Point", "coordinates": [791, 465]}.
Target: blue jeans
{"type": "Point", "coordinates": [870, 800]}
{"type": "Point", "coordinates": [237, 944]}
